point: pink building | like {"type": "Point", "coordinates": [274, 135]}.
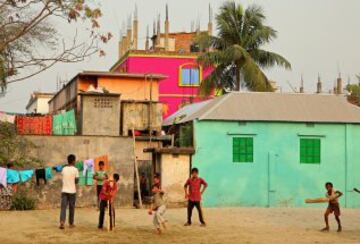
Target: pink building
{"type": "Point", "coordinates": [171, 54]}
{"type": "Point", "coordinates": [183, 75]}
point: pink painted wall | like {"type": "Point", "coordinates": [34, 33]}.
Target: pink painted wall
{"type": "Point", "coordinates": [170, 93]}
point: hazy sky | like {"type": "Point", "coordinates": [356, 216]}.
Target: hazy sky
{"type": "Point", "coordinates": [316, 36]}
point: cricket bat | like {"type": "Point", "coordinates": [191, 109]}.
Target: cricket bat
{"type": "Point", "coordinates": [317, 200]}
{"type": "Point", "coordinates": [109, 222]}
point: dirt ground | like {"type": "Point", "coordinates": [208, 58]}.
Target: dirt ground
{"type": "Point", "coordinates": [226, 225]}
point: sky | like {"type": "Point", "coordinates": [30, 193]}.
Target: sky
{"type": "Point", "coordinates": [316, 36]}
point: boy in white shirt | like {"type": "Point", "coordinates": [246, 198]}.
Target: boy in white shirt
{"type": "Point", "coordinates": [70, 177]}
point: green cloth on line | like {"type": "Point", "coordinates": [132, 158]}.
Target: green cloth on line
{"type": "Point", "coordinates": [88, 180]}
{"type": "Point", "coordinates": [64, 123]}
{"type": "Point", "coordinates": [80, 166]}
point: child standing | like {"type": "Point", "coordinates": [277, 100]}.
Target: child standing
{"type": "Point", "coordinates": [193, 193]}
{"type": "Point", "coordinates": [158, 206]}
{"type": "Point", "coordinates": [333, 207]}
{"type": "Point", "coordinates": [108, 195]}
{"type": "Point", "coordinates": [100, 176]}
{"type": "Point", "coordinates": [70, 177]}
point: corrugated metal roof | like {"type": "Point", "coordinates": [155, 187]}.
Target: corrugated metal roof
{"type": "Point", "coordinates": [264, 106]}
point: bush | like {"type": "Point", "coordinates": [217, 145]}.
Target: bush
{"type": "Point", "coordinates": [23, 201]}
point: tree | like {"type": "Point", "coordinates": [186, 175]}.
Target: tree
{"type": "Point", "coordinates": [30, 43]}
{"type": "Point", "coordinates": [236, 53]}
{"type": "Point", "coordinates": [14, 148]}
{"type": "Point", "coordinates": [354, 93]}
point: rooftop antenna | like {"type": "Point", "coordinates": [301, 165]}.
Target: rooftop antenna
{"type": "Point", "coordinates": [319, 85]}
{"type": "Point", "coordinates": [136, 12]}
{"type": "Point", "coordinates": [198, 25]}
{"type": "Point", "coordinates": [154, 27]}
{"type": "Point", "coordinates": [302, 84]}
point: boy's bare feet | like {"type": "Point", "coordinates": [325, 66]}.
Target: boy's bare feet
{"type": "Point", "coordinates": [72, 226]}
{"type": "Point", "coordinates": [326, 229]}
{"type": "Point", "coordinates": [339, 229]}
{"type": "Point", "coordinates": [158, 231]}
{"type": "Point", "coordinates": [61, 227]}
{"type": "Point", "coordinates": [187, 224]}
{"type": "Point", "coordinates": [203, 225]}
{"type": "Point", "coordinates": [164, 225]}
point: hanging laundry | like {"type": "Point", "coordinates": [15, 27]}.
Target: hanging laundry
{"type": "Point", "coordinates": [40, 174]}
{"type": "Point", "coordinates": [79, 165]}
{"type": "Point", "coordinates": [12, 176]}
{"type": "Point", "coordinates": [105, 159]}
{"type": "Point", "coordinates": [87, 180]}
{"type": "Point", "coordinates": [64, 123]}
{"type": "Point", "coordinates": [84, 179]}
{"type": "Point", "coordinates": [88, 166]}
{"type": "Point", "coordinates": [3, 176]}
{"type": "Point", "coordinates": [34, 125]}
{"type": "Point", "coordinates": [26, 175]}
{"type": "Point", "coordinates": [48, 173]}
{"type": "Point", "coordinates": [58, 168]}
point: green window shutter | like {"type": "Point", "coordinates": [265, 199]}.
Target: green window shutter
{"type": "Point", "coordinates": [310, 151]}
{"type": "Point", "coordinates": [243, 149]}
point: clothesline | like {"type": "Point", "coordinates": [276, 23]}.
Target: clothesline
{"type": "Point", "coordinates": [87, 167]}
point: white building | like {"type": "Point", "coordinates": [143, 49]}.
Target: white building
{"type": "Point", "coordinates": [38, 103]}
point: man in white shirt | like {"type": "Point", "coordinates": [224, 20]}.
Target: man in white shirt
{"type": "Point", "coordinates": [70, 177]}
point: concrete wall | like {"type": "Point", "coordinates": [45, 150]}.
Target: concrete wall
{"type": "Point", "coordinates": [276, 177]}
{"type": "Point", "coordinates": [100, 114]}
{"type": "Point", "coordinates": [141, 145]}
{"type": "Point", "coordinates": [136, 115]}
{"type": "Point", "coordinates": [52, 150]}
{"type": "Point", "coordinates": [174, 173]}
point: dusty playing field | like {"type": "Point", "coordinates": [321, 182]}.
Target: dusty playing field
{"type": "Point", "coordinates": [230, 225]}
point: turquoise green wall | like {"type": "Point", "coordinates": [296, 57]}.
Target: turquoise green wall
{"type": "Point", "coordinates": [276, 177]}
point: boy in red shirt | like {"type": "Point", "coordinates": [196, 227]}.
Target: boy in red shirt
{"type": "Point", "coordinates": [193, 193]}
{"type": "Point", "coordinates": [108, 194]}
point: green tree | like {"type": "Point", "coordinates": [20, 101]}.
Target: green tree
{"type": "Point", "coordinates": [236, 53]}
{"type": "Point", "coordinates": [30, 42]}
{"type": "Point", "coordinates": [14, 148]}
{"type": "Point", "coordinates": [354, 93]}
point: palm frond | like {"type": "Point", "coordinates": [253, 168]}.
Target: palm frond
{"type": "Point", "coordinates": [254, 77]}
{"type": "Point", "coordinates": [268, 59]}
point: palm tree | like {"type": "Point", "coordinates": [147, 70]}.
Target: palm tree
{"type": "Point", "coordinates": [236, 53]}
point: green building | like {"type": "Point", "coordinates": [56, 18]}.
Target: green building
{"type": "Point", "coordinates": [273, 149]}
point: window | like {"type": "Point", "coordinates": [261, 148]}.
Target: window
{"type": "Point", "coordinates": [189, 75]}
{"type": "Point", "coordinates": [310, 151]}
{"type": "Point", "coordinates": [243, 149]}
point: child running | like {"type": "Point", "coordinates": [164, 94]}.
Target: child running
{"type": "Point", "coordinates": [333, 207]}
{"type": "Point", "coordinates": [108, 195]}
{"type": "Point", "coordinates": [158, 206]}
{"type": "Point", "coordinates": [193, 193]}
{"type": "Point", "coordinates": [100, 176]}
{"type": "Point", "coordinates": [70, 177]}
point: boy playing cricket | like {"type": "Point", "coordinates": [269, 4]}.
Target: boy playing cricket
{"type": "Point", "coordinates": [333, 207]}
{"type": "Point", "coordinates": [108, 195]}
{"type": "Point", "coordinates": [100, 176]}
{"type": "Point", "coordinates": [158, 206]}
{"type": "Point", "coordinates": [193, 193]}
